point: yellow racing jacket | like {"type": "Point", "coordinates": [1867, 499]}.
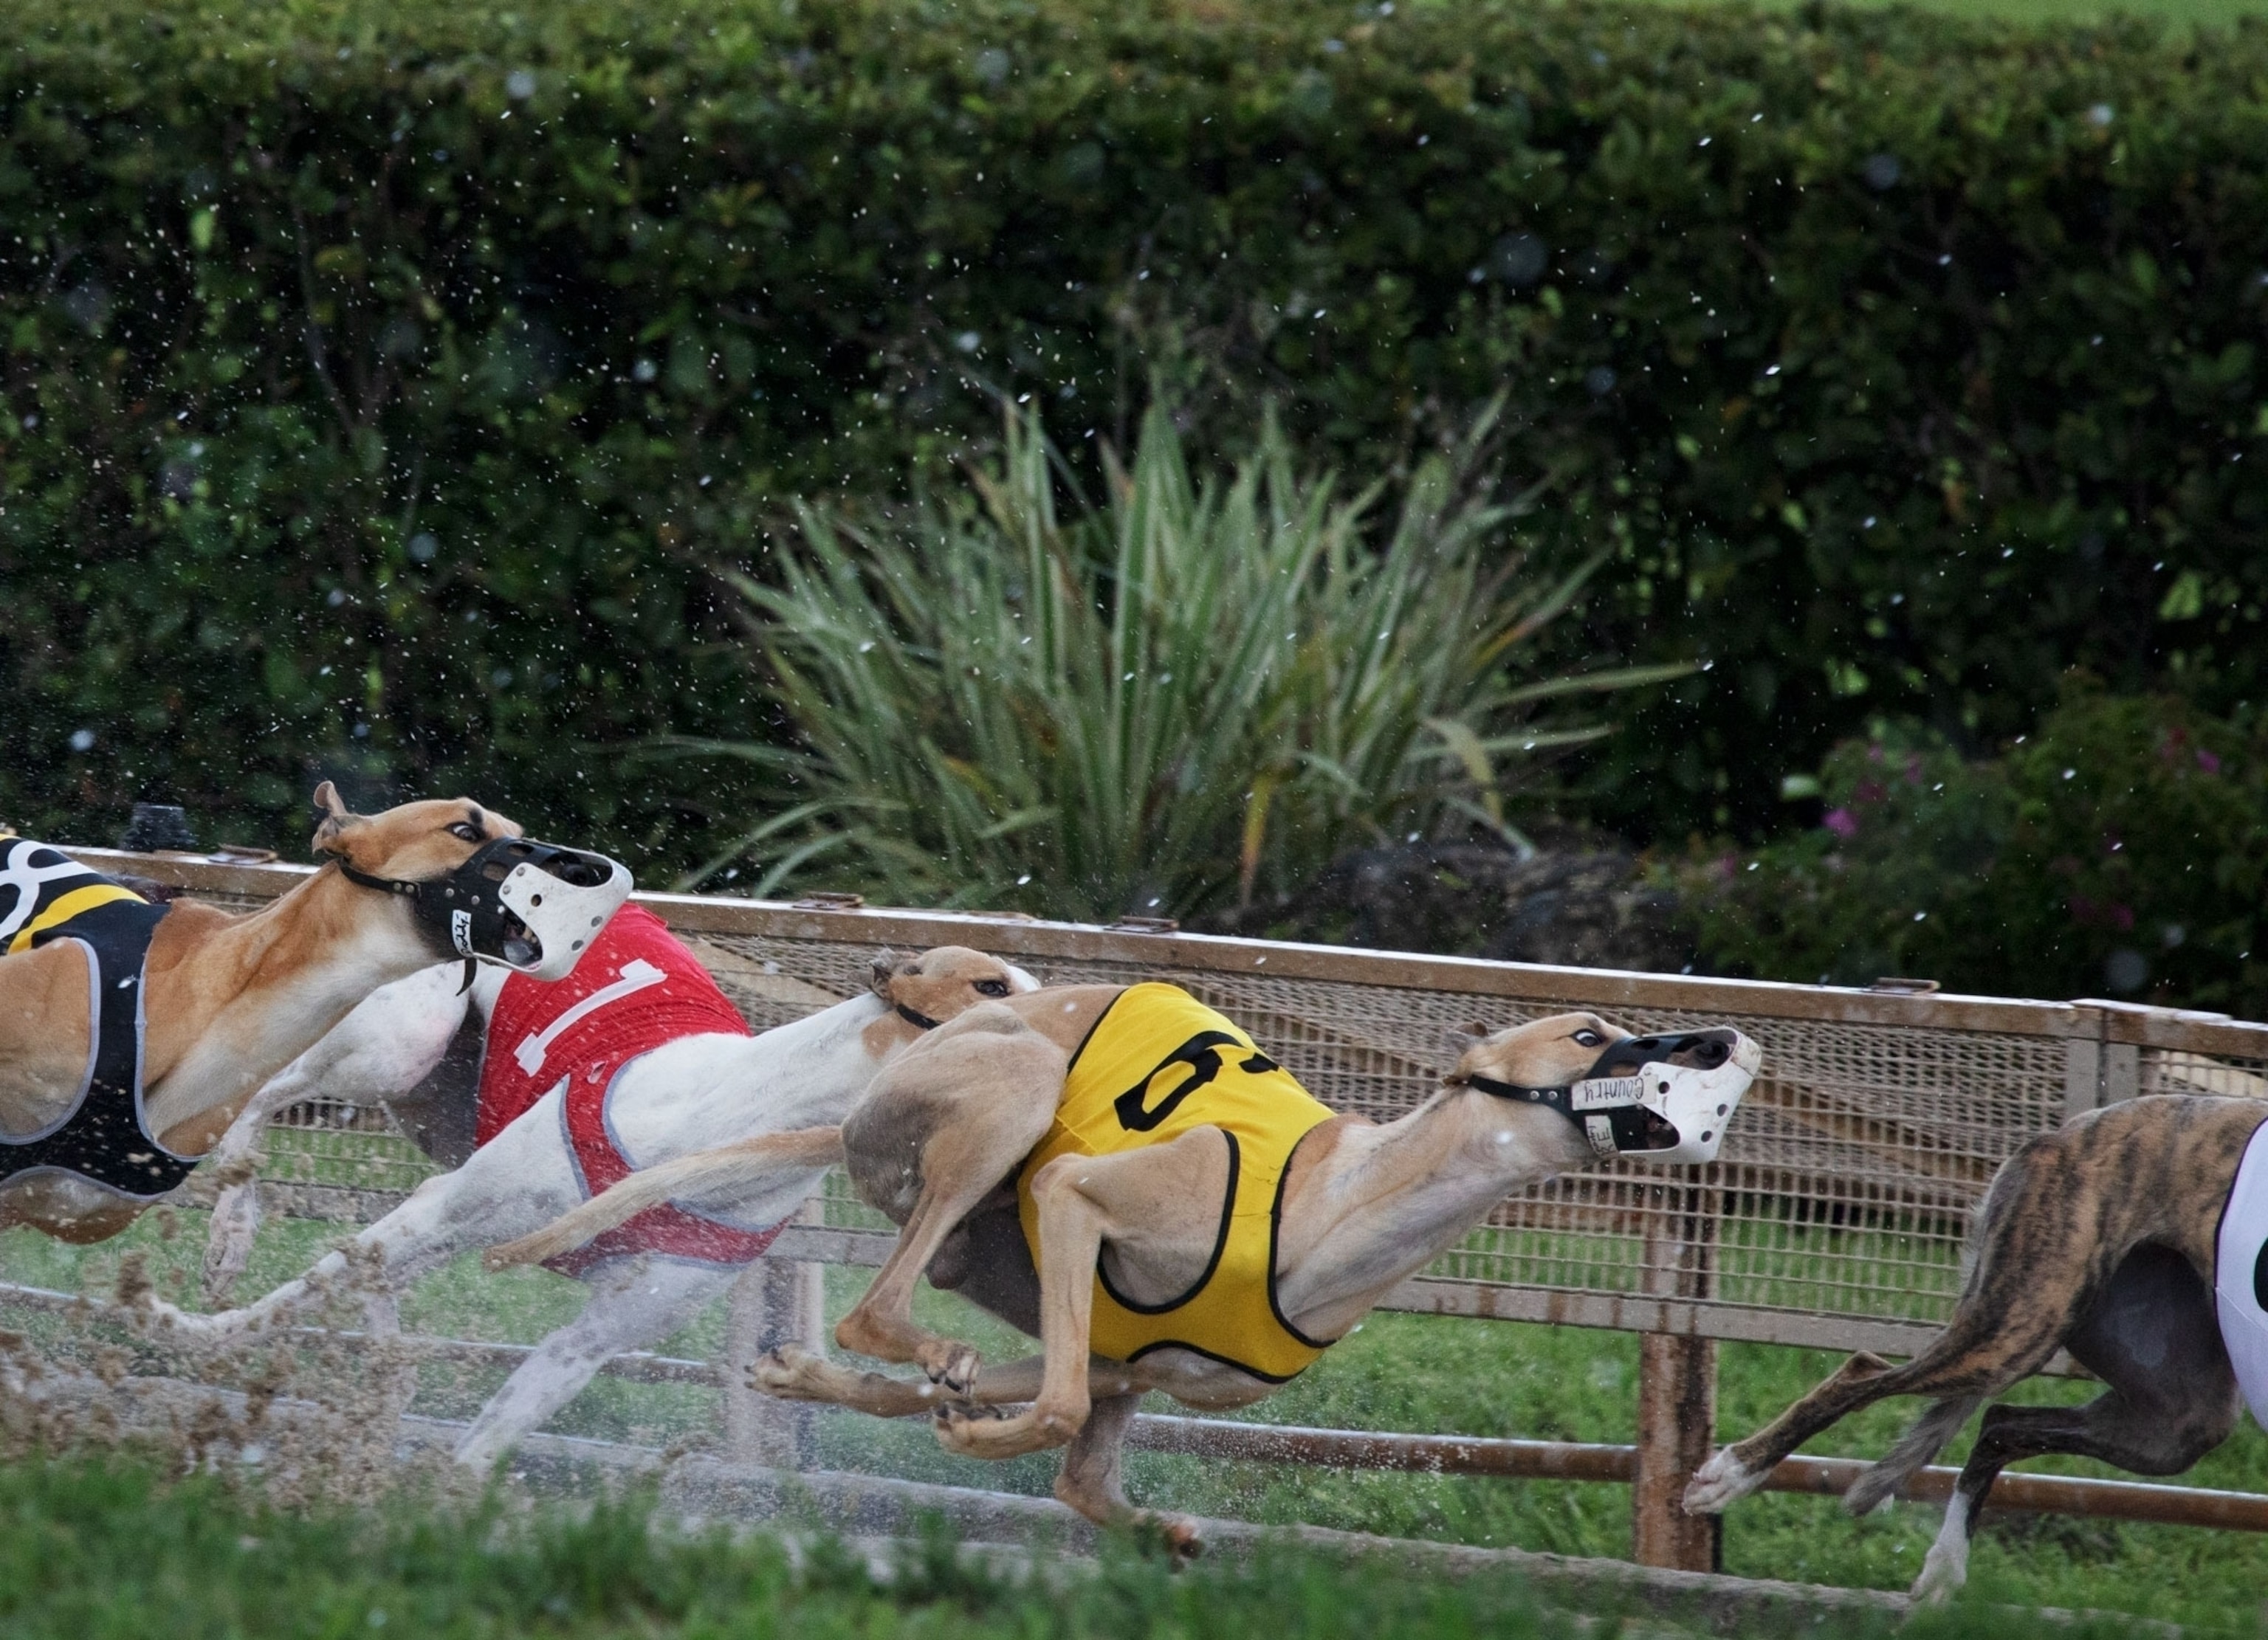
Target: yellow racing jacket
{"type": "Point", "coordinates": [1156, 1064]}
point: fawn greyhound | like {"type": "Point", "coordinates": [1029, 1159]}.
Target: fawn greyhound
{"type": "Point", "coordinates": [2136, 1237]}
{"type": "Point", "coordinates": [130, 1033]}
{"type": "Point", "coordinates": [1122, 1173]}
{"type": "Point", "coordinates": [636, 1058]}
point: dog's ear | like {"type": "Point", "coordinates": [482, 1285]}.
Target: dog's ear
{"type": "Point", "coordinates": [1458, 1042]}
{"type": "Point", "coordinates": [332, 819]}
{"type": "Point", "coordinates": [886, 964]}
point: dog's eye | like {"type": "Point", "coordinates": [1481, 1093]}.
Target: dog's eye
{"type": "Point", "coordinates": [1589, 1038]}
{"type": "Point", "coordinates": [991, 987]}
{"type": "Point", "coordinates": [466, 831]}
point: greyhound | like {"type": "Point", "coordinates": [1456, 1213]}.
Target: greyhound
{"type": "Point", "coordinates": [2105, 1238]}
{"type": "Point", "coordinates": [131, 1032]}
{"type": "Point", "coordinates": [690, 1090]}
{"type": "Point", "coordinates": [1208, 1232]}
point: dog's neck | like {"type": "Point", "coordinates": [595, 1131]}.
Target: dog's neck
{"type": "Point", "coordinates": [1377, 1203]}
{"type": "Point", "coordinates": [230, 1001]}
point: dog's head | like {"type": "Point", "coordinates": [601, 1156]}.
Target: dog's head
{"type": "Point", "coordinates": [1665, 1098]}
{"type": "Point", "coordinates": [412, 842]}
{"type": "Point", "coordinates": [926, 990]}
{"type": "Point", "coordinates": [473, 884]}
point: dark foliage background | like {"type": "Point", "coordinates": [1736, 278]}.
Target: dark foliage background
{"type": "Point", "coordinates": [2120, 849]}
{"type": "Point", "coordinates": [381, 380]}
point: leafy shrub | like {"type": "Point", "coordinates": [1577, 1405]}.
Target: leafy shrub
{"type": "Point", "coordinates": [1193, 691]}
{"type": "Point", "coordinates": [2121, 848]}
{"type": "Point", "coordinates": [380, 380]}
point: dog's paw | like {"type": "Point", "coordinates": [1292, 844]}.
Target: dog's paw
{"type": "Point", "coordinates": [951, 1366]}
{"type": "Point", "coordinates": [783, 1374]}
{"type": "Point", "coordinates": [1946, 1568]}
{"type": "Point", "coordinates": [1942, 1573]}
{"type": "Point", "coordinates": [1719, 1483]}
{"type": "Point", "coordinates": [984, 1432]}
{"type": "Point", "coordinates": [1176, 1535]}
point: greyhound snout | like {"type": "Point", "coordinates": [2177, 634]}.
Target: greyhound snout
{"type": "Point", "coordinates": [1695, 1050]}
{"type": "Point", "coordinates": [1702, 1050]}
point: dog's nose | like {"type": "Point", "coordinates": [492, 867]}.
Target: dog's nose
{"type": "Point", "coordinates": [1697, 1051]}
{"type": "Point", "coordinates": [1701, 1050]}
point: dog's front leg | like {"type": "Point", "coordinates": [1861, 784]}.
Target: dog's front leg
{"type": "Point", "coordinates": [997, 1082]}
{"type": "Point", "coordinates": [388, 1045]}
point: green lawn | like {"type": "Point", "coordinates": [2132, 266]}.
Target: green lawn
{"type": "Point", "coordinates": [1398, 1372]}
{"type": "Point", "coordinates": [105, 1552]}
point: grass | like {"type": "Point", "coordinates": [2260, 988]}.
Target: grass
{"type": "Point", "coordinates": [1399, 1372]}
{"type": "Point", "coordinates": [105, 1551]}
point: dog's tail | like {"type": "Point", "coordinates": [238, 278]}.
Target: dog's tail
{"type": "Point", "coordinates": [737, 1167]}
{"type": "Point", "coordinates": [1916, 1447]}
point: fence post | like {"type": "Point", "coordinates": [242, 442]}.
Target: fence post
{"type": "Point", "coordinates": [775, 1302]}
{"type": "Point", "coordinates": [1677, 1394]}
{"type": "Point", "coordinates": [1676, 1424]}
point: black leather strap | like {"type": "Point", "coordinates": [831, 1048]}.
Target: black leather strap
{"type": "Point", "coordinates": [1627, 1121]}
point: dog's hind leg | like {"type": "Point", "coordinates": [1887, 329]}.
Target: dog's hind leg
{"type": "Point", "coordinates": [633, 1302]}
{"type": "Point", "coordinates": [1093, 1477]}
{"type": "Point", "coordinates": [2153, 1339]}
{"type": "Point", "coordinates": [2034, 1270]}
{"type": "Point", "coordinates": [518, 1182]}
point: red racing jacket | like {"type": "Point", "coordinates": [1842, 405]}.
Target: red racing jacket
{"type": "Point", "coordinates": [637, 988]}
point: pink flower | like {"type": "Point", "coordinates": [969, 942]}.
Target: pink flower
{"type": "Point", "coordinates": [2207, 761]}
{"type": "Point", "coordinates": [1841, 822]}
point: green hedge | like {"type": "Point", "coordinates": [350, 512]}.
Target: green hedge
{"type": "Point", "coordinates": [2119, 849]}
{"type": "Point", "coordinates": [381, 378]}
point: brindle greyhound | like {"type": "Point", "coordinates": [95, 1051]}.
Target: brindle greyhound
{"type": "Point", "coordinates": [226, 1000]}
{"type": "Point", "coordinates": [2098, 1238]}
{"type": "Point", "coordinates": [939, 1142]}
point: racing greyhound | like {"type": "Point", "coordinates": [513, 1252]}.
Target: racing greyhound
{"type": "Point", "coordinates": [1122, 1172]}
{"type": "Point", "coordinates": [637, 1058]}
{"type": "Point", "coordinates": [130, 1033]}
{"type": "Point", "coordinates": [2136, 1237]}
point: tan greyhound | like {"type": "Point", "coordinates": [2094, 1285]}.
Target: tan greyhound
{"type": "Point", "coordinates": [130, 1033]}
{"type": "Point", "coordinates": [1201, 1226]}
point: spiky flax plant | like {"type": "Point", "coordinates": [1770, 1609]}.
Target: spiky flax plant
{"type": "Point", "coordinates": [1197, 692]}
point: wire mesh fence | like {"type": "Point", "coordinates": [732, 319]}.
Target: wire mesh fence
{"type": "Point", "coordinates": [1836, 1214]}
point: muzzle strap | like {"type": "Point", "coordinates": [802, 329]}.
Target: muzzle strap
{"type": "Point", "coordinates": [1609, 1128]}
{"type": "Point", "coordinates": [402, 886]}
{"type": "Point", "coordinates": [919, 1021]}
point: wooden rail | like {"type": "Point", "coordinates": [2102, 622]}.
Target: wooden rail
{"type": "Point", "coordinates": [1485, 1456]}
{"type": "Point", "coordinates": [1582, 1461]}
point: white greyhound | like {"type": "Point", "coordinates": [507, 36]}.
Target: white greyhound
{"type": "Point", "coordinates": [688, 1093]}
